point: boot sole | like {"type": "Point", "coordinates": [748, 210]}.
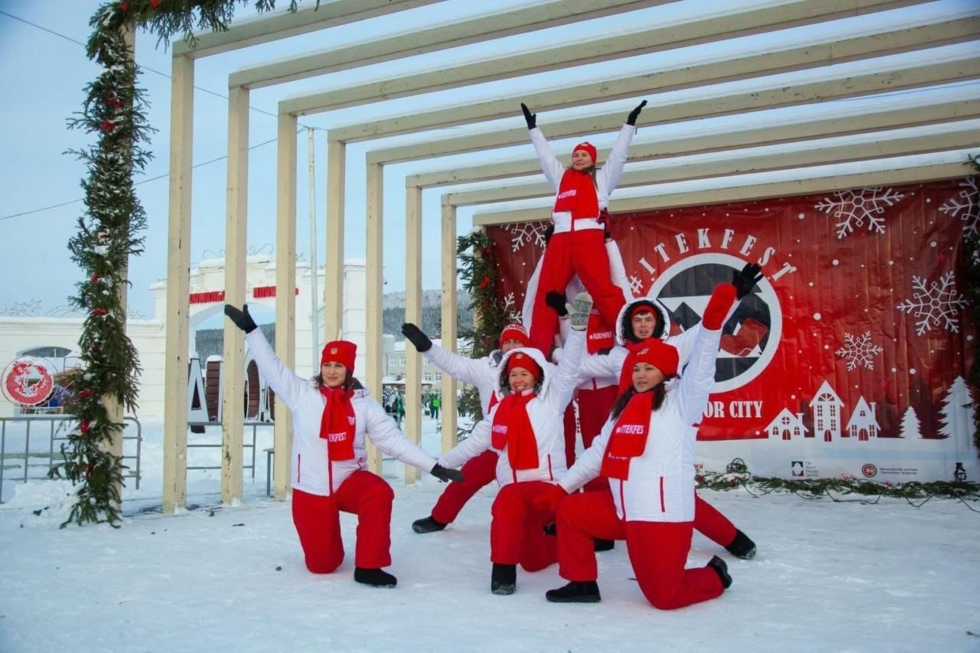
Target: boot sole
{"type": "Point", "coordinates": [588, 598]}
{"type": "Point", "coordinates": [503, 590]}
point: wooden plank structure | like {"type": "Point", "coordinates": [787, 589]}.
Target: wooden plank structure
{"type": "Point", "coordinates": [887, 143]}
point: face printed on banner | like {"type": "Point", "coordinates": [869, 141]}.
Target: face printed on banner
{"type": "Point", "coordinates": [512, 343]}
{"type": "Point", "coordinates": [334, 374]}
{"type": "Point", "coordinates": [643, 325]}
{"type": "Point", "coordinates": [581, 160]}
{"type": "Point", "coordinates": [646, 377]}
{"type": "Point", "coordinates": [520, 379]}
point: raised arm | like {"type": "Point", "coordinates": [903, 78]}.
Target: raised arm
{"type": "Point", "coordinates": [550, 166]}
{"type": "Point", "coordinates": [564, 385]}
{"type": "Point", "coordinates": [287, 385]}
{"type": "Point", "coordinates": [461, 368]}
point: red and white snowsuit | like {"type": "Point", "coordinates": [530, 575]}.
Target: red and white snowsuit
{"type": "Point", "coordinates": [577, 244]}
{"type": "Point", "coordinates": [654, 508]}
{"type": "Point", "coordinates": [322, 487]}
{"type": "Point", "coordinates": [479, 471]}
{"type": "Point", "coordinates": [517, 528]}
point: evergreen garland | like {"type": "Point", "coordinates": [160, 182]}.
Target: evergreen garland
{"type": "Point", "coordinates": [109, 232]}
{"type": "Point", "coordinates": [474, 252]}
{"type": "Point", "coordinates": [971, 269]}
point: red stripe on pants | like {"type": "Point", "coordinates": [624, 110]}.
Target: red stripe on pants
{"type": "Point", "coordinates": [317, 521]}
{"type": "Point", "coordinates": [593, 411]}
{"type": "Point", "coordinates": [477, 472]}
{"type": "Point", "coordinates": [517, 529]}
{"type": "Point", "coordinates": [658, 552]}
{"type": "Point", "coordinates": [711, 523]}
{"type": "Point", "coordinates": [582, 518]}
{"type": "Point", "coordinates": [570, 253]}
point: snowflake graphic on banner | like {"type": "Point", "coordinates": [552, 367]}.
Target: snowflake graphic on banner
{"type": "Point", "coordinates": [855, 208]}
{"type": "Point", "coordinates": [965, 206]}
{"type": "Point", "coordinates": [526, 233]}
{"type": "Point", "coordinates": [636, 286]}
{"type": "Point", "coordinates": [935, 305]}
{"type": "Point", "coordinates": [510, 307]}
{"type": "Point", "coordinates": [859, 351]}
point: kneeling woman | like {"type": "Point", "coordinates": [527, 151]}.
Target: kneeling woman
{"type": "Point", "coordinates": [330, 422]}
{"type": "Point", "coordinates": [646, 450]}
{"type": "Point", "coordinates": [526, 429]}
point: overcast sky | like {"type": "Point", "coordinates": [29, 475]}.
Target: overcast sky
{"type": "Point", "coordinates": [43, 71]}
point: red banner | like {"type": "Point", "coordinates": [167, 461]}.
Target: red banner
{"type": "Point", "coordinates": [857, 330]}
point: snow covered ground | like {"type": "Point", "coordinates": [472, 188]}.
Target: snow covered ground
{"type": "Point", "coordinates": [828, 577]}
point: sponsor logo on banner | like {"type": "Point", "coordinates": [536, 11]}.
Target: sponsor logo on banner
{"type": "Point", "coordinates": [796, 469]}
{"type": "Point", "coordinates": [869, 470]}
{"type": "Point", "coordinates": [28, 381]}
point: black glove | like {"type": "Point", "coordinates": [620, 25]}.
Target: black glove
{"type": "Point", "coordinates": [417, 338]}
{"type": "Point", "coordinates": [446, 475]}
{"type": "Point", "coordinates": [548, 233]}
{"type": "Point", "coordinates": [531, 118]}
{"type": "Point", "coordinates": [557, 301]}
{"type": "Point", "coordinates": [635, 113]}
{"type": "Point", "coordinates": [745, 280]}
{"type": "Point", "coordinates": [241, 318]}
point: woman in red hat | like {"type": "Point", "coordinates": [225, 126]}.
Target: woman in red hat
{"type": "Point", "coordinates": [525, 428]}
{"type": "Point", "coordinates": [332, 415]}
{"type": "Point", "coordinates": [577, 246]}
{"type": "Point", "coordinates": [483, 374]}
{"type": "Point", "coordinates": [646, 450]}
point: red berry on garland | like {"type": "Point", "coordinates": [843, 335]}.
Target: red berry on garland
{"type": "Point", "coordinates": [95, 278]}
{"type": "Point", "coordinates": [155, 4]}
{"type": "Point", "coordinates": [85, 394]}
{"type": "Point", "coordinates": [124, 7]}
{"type": "Point", "coordinates": [485, 282]}
{"type": "Point", "coordinates": [107, 126]}
{"type": "Point", "coordinates": [99, 311]}
{"type": "Point", "coordinates": [88, 470]}
{"type": "Point", "coordinates": [85, 426]}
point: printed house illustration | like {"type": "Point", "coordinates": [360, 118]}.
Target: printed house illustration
{"type": "Point", "coordinates": [786, 425]}
{"type": "Point", "coordinates": [826, 407]}
{"type": "Point", "coordinates": [863, 424]}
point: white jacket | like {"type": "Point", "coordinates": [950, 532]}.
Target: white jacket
{"type": "Point", "coordinates": [312, 470]}
{"type": "Point", "coordinates": [606, 177]}
{"type": "Point", "coordinates": [660, 487]}
{"type": "Point", "coordinates": [481, 373]}
{"type": "Point", "coordinates": [545, 413]}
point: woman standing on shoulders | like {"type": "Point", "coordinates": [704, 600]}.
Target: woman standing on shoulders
{"type": "Point", "coordinates": [330, 421]}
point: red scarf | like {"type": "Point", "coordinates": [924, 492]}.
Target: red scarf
{"type": "Point", "coordinates": [577, 194]}
{"type": "Point", "coordinates": [629, 437]}
{"type": "Point", "coordinates": [337, 423]}
{"type": "Point", "coordinates": [598, 335]}
{"type": "Point", "coordinates": [512, 428]}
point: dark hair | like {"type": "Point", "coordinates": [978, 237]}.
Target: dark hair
{"type": "Point", "coordinates": [659, 394]}
{"type": "Point", "coordinates": [658, 328]}
{"type": "Point", "coordinates": [347, 384]}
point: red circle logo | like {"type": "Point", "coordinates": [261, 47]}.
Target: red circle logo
{"type": "Point", "coordinates": [28, 381]}
{"type": "Point", "coordinates": [869, 470]}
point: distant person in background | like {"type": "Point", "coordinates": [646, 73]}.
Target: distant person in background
{"type": "Point", "coordinates": [331, 421]}
{"type": "Point", "coordinates": [435, 406]}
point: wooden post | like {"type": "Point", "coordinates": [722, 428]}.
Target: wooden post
{"type": "Point", "coordinates": [333, 264]}
{"type": "Point", "coordinates": [374, 288]}
{"type": "Point", "coordinates": [413, 314]}
{"type": "Point", "coordinates": [448, 322]}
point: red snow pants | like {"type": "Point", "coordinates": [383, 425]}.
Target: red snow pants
{"type": "Point", "coordinates": [477, 472]}
{"type": "Point", "coordinates": [317, 520]}
{"type": "Point", "coordinates": [517, 529]}
{"type": "Point", "coordinates": [570, 253]}
{"type": "Point", "coordinates": [593, 411]}
{"type": "Point", "coordinates": [657, 550]}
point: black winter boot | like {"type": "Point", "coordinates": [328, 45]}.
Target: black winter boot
{"type": "Point", "coordinates": [742, 547]}
{"type": "Point", "coordinates": [603, 545]}
{"type": "Point", "coordinates": [575, 592]}
{"type": "Point", "coordinates": [427, 525]}
{"type": "Point", "coordinates": [374, 577]}
{"type": "Point", "coordinates": [721, 569]}
{"type": "Point", "coordinates": [503, 579]}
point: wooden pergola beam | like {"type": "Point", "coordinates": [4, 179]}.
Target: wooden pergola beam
{"type": "Point", "coordinates": [962, 136]}
{"type": "Point", "coordinates": [737, 193]}
{"type": "Point", "coordinates": [247, 33]}
{"type": "Point", "coordinates": [771, 98]}
{"type": "Point", "coordinates": [474, 30]}
{"type": "Point", "coordinates": [692, 33]}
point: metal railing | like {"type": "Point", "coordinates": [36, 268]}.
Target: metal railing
{"type": "Point", "coordinates": [206, 445]}
{"type": "Point", "coordinates": [52, 452]}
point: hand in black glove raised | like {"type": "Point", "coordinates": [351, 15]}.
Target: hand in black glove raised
{"type": "Point", "coordinates": [531, 118]}
{"type": "Point", "coordinates": [635, 113]}
{"type": "Point", "coordinates": [745, 280]}
{"type": "Point", "coordinates": [241, 318]}
{"type": "Point", "coordinates": [557, 301]}
{"type": "Point", "coordinates": [446, 475]}
{"type": "Point", "coordinates": [416, 337]}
